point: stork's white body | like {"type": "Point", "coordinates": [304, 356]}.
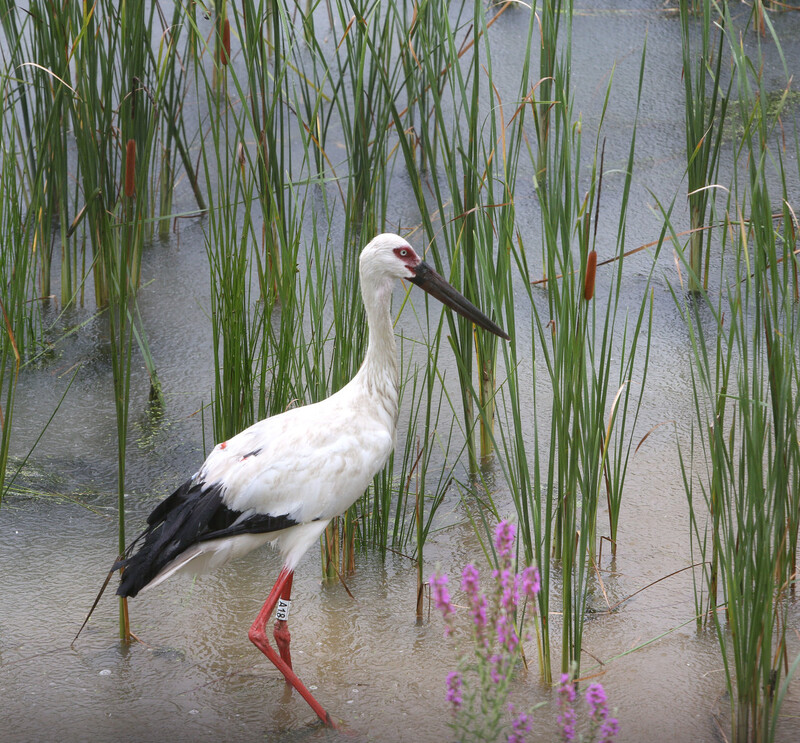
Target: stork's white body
{"type": "Point", "coordinates": [312, 463]}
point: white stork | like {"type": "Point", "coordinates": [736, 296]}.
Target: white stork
{"type": "Point", "coordinates": [283, 479]}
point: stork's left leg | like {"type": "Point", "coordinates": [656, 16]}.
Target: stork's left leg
{"type": "Point", "coordinates": [258, 636]}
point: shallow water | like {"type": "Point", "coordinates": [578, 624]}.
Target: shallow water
{"type": "Point", "coordinates": [195, 676]}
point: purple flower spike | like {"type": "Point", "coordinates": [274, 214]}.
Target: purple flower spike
{"type": "Point", "coordinates": [507, 634]}
{"type": "Point", "coordinates": [531, 582]}
{"type": "Point", "coordinates": [520, 725]}
{"type": "Point", "coordinates": [478, 611]}
{"type": "Point", "coordinates": [509, 589]}
{"type": "Point", "coordinates": [608, 730]}
{"type": "Point", "coordinates": [566, 689]}
{"type": "Point", "coordinates": [596, 699]}
{"type": "Point", "coordinates": [567, 719]}
{"type": "Point", "coordinates": [479, 615]}
{"type": "Point", "coordinates": [441, 598]}
{"type": "Point", "coordinates": [477, 601]}
{"type": "Point", "coordinates": [504, 535]}
{"type": "Point", "coordinates": [469, 580]}
{"type": "Point", "coordinates": [454, 686]}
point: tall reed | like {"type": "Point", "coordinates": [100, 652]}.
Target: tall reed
{"type": "Point", "coordinates": [746, 412]}
{"type": "Point", "coordinates": [268, 40]}
{"type": "Point", "coordinates": [551, 14]}
{"type": "Point", "coordinates": [97, 149]}
{"type": "Point", "coordinates": [426, 41]}
{"type": "Point", "coordinates": [706, 103]}
{"type": "Point", "coordinates": [114, 123]}
{"type": "Point", "coordinates": [171, 64]}
{"type": "Point", "coordinates": [364, 54]}
{"type": "Point", "coordinates": [21, 323]}
{"type": "Point", "coordinates": [476, 170]}
{"type": "Point", "coordinates": [237, 320]}
{"type": "Point", "coordinates": [595, 369]}
{"type": "Point", "coordinates": [21, 329]}
{"type": "Point", "coordinates": [39, 57]}
{"type": "Point", "coordinates": [51, 29]}
{"type": "Point", "coordinates": [14, 289]}
{"type": "Point", "coordinates": [745, 384]}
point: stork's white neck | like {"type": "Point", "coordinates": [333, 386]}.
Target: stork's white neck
{"type": "Point", "coordinates": [378, 374]}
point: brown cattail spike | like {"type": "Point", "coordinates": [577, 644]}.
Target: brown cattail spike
{"type": "Point", "coordinates": [225, 51]}
{"type": "Point", "coordinates": [591, 270]}
{"type": "Point", "coordinates": [130, 168]}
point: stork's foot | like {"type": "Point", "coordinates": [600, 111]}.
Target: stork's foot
{"type": "Point", "coordinates": [259, 638]}
{"type": "Point", "coordinates": [283, 662]}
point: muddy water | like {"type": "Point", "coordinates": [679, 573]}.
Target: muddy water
{"type": "Point", "coordinates": [195, 676]}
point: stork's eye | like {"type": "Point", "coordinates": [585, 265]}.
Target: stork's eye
{"type": "Point", "coordinates": [403, 252]}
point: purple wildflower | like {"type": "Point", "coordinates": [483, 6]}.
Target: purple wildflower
{"type": "Point", "coordinates": [469, 580]}
{"type": "Point", "coordinates": [478, 611]}
{"type": "Point", "coordinates": [507, 633]}
{"type": "Point", "coordinates": [567, 719]}
{"type": "Point", "coordinates": [531, 581]}
{"type": "Point", "coordinates": [509, 589]}
{"type": "Point", "coordinates": [441, 597]}
{"type": "Point", "coordinates": [608, 729]}
{"type": "Point", "coordinates": [520, 725]}
{"type": "Point", "coordinates": [504, 535]}
{"type": "Point", "coordinates": [469, 584]}
{"type": "Point", "coordinates": [596, 699]}
{"type": "Point", "coordinates": [454, 686]}
{"type": "Point", "coordinates": [566, 689]}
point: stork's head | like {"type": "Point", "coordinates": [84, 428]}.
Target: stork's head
{"type": "Point", "coordinates": [390, 256]}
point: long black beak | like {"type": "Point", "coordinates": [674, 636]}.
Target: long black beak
{"type": "Point", "coordinates": [426, 278]}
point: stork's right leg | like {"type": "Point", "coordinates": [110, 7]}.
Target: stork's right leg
{"type": "Point", "coordinates": [281, 632]}
{"type": "Point", "coordinates": [258, 636]}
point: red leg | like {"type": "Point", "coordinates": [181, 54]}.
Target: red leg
{"type": "Point", "coordinates": [258, 636]}
{"type": "Point", "coordinates": [281, 632]}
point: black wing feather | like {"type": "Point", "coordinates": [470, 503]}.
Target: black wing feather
{"type": "Point", "coordinates": [193, 513]}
